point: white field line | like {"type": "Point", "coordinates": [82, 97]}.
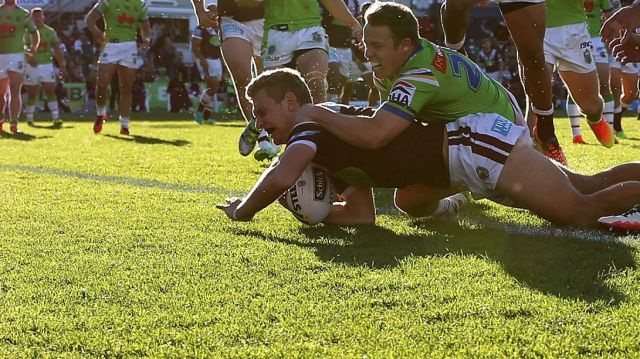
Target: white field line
{"type": "Point", "coordinates": [512, 228]}
{"type": "Point", "coordinates": [136, 182]}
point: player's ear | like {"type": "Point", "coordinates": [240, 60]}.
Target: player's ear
{"type": "Point", "coordinates": [291, 100]}
{"type": "Point", "coordinates": [406, 44]}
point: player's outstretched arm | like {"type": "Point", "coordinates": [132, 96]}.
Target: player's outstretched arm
{"type": "Point", "coordinates": [339, 10]}
{"type": "Point", "coordinates": [90, 20]}
{"type": "Point", "coordinates": [358, 208]}
{"type": "Point", "coordinates": [205, 17]}
{"type": "Point", "coordinates": [360, 131]}
{"type": "Point", "coordinates": [271, 184]}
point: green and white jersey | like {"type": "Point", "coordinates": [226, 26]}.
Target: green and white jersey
{"type": "Point", "coordinates": [15, 24]}
{"type": "Point", "coordinates": [48, 38]}
{"type": "Point", "coordinates": [564, 12]}
{"type": "Point", "coordinates": [594, 10]}
{"type": "Point", "coordinates": [437, 84]}
{"type": "Point", "coordinates": [296, 14]}
{"type": "Point", "coordinates": [121, 18]}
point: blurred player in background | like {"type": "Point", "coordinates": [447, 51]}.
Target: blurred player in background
{"type": "Point", "coordinates": [205, 45]}
{"type": "Point", "coordinates": [40, 70]}
{"type": "Point", "coordinates": [119, 53]}
{"type": "Point", "coordinates": [595, 10]}
{"type": "Point", "coordinates": [16, 25]}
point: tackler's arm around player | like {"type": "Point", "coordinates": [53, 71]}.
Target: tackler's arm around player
{"type": "Point", "coordinates": [360, 131]}
{"type": "Point", "coordinates": [271, 184]}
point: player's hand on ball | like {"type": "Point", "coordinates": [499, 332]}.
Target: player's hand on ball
{"type": "Point", "coordinates": [230, 208]}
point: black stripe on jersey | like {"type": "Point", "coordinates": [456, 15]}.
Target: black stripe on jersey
{"type": "Point", "coordinates": [297, 136]}
{"type": "Point", "coordinates": [490, 140]}
{"type": "Point", "coordinates": [478, 149]}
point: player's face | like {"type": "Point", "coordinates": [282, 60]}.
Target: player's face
{"type": "Point", "coordinates": [38, 18]}
{"type": "Point", "coordinates": [272, 116]}
{"type": "Point", "coordinates": [386, 58]}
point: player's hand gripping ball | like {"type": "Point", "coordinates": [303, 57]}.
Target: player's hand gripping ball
{"type": "Point", "coordinates": [311, 197]}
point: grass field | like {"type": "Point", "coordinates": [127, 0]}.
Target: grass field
{"type": "Point", "coordinates": [111, 246]}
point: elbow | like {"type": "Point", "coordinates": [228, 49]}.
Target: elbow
{"type": "Point", "coordinates": [375, 141]}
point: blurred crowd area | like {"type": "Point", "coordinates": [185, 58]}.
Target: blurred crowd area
{"type": "Point", "coordinates": [168, 59]}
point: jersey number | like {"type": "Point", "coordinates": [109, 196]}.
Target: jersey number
{"type": "Point", "coordinates": [474, 76]}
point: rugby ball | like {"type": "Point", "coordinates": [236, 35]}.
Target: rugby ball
{"type": "Point", "coordinates": [311, 197]}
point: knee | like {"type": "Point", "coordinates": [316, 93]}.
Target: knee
{"type": "Point", "coordinates": [592, 106]}
{"type": "Point", "coordinates": [125, 87]}
{"type": "Point", "coordinates": [411, 207]}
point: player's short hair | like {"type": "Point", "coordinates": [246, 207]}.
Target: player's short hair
{"type": "Point", "coordinates": [399, 18]}
{"type": "Point", "coordinates": [278, 82]}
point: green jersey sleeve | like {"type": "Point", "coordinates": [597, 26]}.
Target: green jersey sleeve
{"type": "Point", "coordinates": [411, 92]}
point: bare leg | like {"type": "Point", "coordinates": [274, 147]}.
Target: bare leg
{"type": "Point", "coordinates": [4, 87]}
{"type": "Point", "coordinates": [454, 15]}
{"type": "Point", "coordinates": [314, 65]}
{"type": "Point", "coordinates": [527, 26]}
{"type": "Point", "coordinates": [590, 184]}
{"type": "Point", "coordinates": [103, 80]}
{"type": "Point", "coordinates": [560, 202]}
{"type": "Point", "coordinates": [237, 54]}
{"type": "Point", "coordinates": [420, 200]}
{"type": "Point", "coordinates": [15, 83]}
{"type": "Point", "coordinates": [347, 92]}
{"type": "Point", "coordinates": [127, 76]}
{"type": "Point", "coordinates": [335, 81]}
{"type": "Point", "coordinates": [32, 97]}
{"type": "Point", "coordinates": [49, 89]}
{"type": "Point", "coordinates": [584, 89]}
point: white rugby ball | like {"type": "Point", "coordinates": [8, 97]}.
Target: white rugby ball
{"type": "Point", "coordinates": [311, 197]}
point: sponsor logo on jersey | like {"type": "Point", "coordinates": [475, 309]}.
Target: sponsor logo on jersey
{"type": "Point", "coordinates": [125, 18]}
{"type": "Point", "coordinates": [439, 61]}
{"type": "Point", "coordinates": [402, 93]}
{"type": "Point", "coordinates": [7, 28]}
{"type": "Point", "coordinates": [228, 29]}
{"type": "Point", "coordinates": [501, 126]}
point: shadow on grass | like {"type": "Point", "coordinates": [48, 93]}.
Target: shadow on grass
{"type": "Point", "coordinates": [21, 136]}
{"type": "Point", "coordinates": [51, 126]}
{"type": "Point", "coordinates": [557, 265]}
{"type": "Point", "coordinates": [231, 124]}
{"type": "Point", "coordinates": [149, 140]}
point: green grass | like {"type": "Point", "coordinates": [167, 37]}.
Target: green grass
{"type": "Point", "coordinates": [111, 246]}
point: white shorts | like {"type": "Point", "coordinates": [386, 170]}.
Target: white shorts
{"type": "Point", "coordinates": [279, 47]}
{"type": "Point", "coordinates": [11, 62]}
{"type": "Point", "coordinates": [215, 69]}
{"type": "Point", "coordinates": [568, 48]}
{"type": "Point", "coordinates": [600, 53]}
{"type": "Point", "coordinates": [44, 73]}
{"type": "Point", "coordinates": [121, 53]}
{"type": "Point", "coordinates": [628, 68]}
{"type": "Point", "coordinates": [250, 31]}
{"type": "Point", "coordinates": [479, 146]}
